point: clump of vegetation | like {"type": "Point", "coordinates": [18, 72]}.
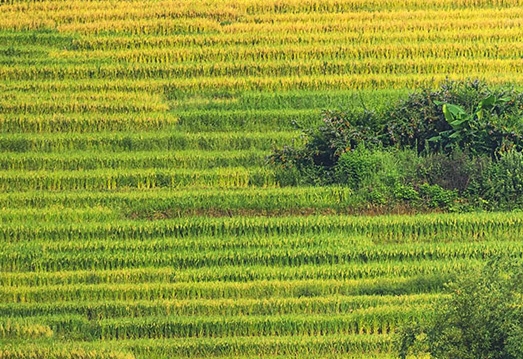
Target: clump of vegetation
{"type": "Point", "coordinates": [482, 318]}
{"type": "Point", "coordinates": [457, 146]}
{"type": "Point", "coordinates": [466, 115]}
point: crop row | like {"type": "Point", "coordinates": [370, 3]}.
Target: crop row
{"type": "Point", "coordinates": [343, 239]}
{"type": "Point", "coordinates": [38, 117]}
{"type": "Point", "coordinates": [169, 203]}
{"type": "Point", "coordinates": [101, 43]}
{"type": "Point", "coordinates": [374, 321]}
{"type": "Point", "coordinates": [22, 260]}
{"type": "Point", "coordinates": [285, 102]}
{"type": "Point", "coordinates": [387, 228]}
{"type": "Point", "coordinates": [144, 141]}
{"type": "Point", "coordinates": [108, 179]}
{"type": "Point", "coordinates": [304, 305]}
{"type": "Point", "coordinates": [232, 103]}
{"type": "Point", "coordinates": [285, 347]}
{"type": "Point", "coordinates": [41, 351]}
{"type": "Point", "coordinates": [14, 329]}
{"type": "Point", "coordinates": [85, 122]}
{"type": "Point", "coordinates": [86, 85]}
{"type": "Point", "coordinates": [329, 52]}
{"type": "Point", "coordinates": [255, 120]}
{"type": "Point", "coordinates": [167, 19]}
{"type": "Point", "coordinates": [71, 161]}
{"type": "Point", "coordinates": [154, 26]}
{"type": "Point", "coordinates": [57, 214]}
{"type": "Point", "coordinates": [227, 273]}
{"type": "Point", "coordinates": [177, 9]}
{"type": "Point", "coordinates": [294, 346]}
{"type": "Point", "coordinates": [150, 202]}
{"type": "Point", "coordinates": [223, 290]}
{"type": "Point", "coordinates": [290, 6]}
{"type": "Point", "coordinates": [113, 102]}
{"type": "Point", "coordinates": [281, 68]}
{"type": "Point", "coordinates": [209, 8]}
{"type": "Point", "coordinates": [212, 85]}
{"type": "Point", "coordinates": [370, 321]}
{"type": "Point", "coordinates": [380, 20]}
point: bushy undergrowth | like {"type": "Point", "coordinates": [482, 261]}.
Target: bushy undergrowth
{"type": "Point", "coordinates": [481, 318]}
{"type": "Point", "coordinates": [456, 147]}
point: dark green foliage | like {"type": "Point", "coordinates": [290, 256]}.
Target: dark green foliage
{"type": "Point", "coordinates": [467, 115]}
{"type": "Point", "coordinates": [459, 144]}
{"type": "Point", "coordinates": [339, 133]}
{"type": "Point", "coordinates": [364, 168]}
{"type": "Point", "coordinates": [451, 171]}
{"type": "Point", "coordinates": [435, 196]}
{"type": "Point", "coordinates": [481, 319]}
{"type": "Point", "coordinates": [499, 184]}
{"type": "Point", "coordinates": [355, 168]}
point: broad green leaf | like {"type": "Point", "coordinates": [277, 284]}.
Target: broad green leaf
{"type": "Point", "coordinates": [456, 110]}
{"type": "Point", "coordinates": [455, 135]}
{"type": "Point", "coordinates": [479, 114]}
{"type": "Point", "coordinates": [487, 102]}
{"type": "Point", "coordinates": [456, 124]}
{"type": "Point", "coordinates": [448, 115]}
{"type": "Point", "coordinates": [453, 112]}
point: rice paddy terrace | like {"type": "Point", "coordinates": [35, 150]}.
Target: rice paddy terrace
{"type": "Point", "coordinates": [138, 218]}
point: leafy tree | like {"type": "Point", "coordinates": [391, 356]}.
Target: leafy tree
{"type": "Point", "coordinates": [482, 318]}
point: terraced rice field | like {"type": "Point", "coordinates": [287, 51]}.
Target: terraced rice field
{"type": "Point", "coordinates": [138, 217]}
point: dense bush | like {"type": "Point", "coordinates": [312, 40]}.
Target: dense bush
{"type": "Point", "coordinates": [481, 319]}
{"type": "Point", "coordinates": [459, 144]}
{"type": "Point", "coordinates": [466, 115]}
{"type": "Point", "coordinates": [499, 184]}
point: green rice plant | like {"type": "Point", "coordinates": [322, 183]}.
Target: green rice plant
{"type": "Point", "coordinates": [57, 214]}
{"type": "Point", "coordinates": [222, 273]}
{"type": "Point", "coordinates": [255, 346]}
{"type": "Point", "coordinates": [314, 305]}
{"type": "Point", "coordinates": [29, 258]}
{"type": "Point", "coordinates": [216, 290]}
{"type": "Point", "coordinates": [386, 228]}
{"type": "Point", "coordinates": [42, 352]}
{"type": "Point", "coordinates": [254, 120]}
{"type": "Point", "coordinates": [147, 204]}
{"type": "Point", "coordinates": [86, 160]}
{"type": "Point", "coordinates": [370, 322]}
{"type": "Point", "coordinates": [23, 329]}
{"type": "Point", "coordinates": [83, 102]}
{"type": "Point", "coordinates": [86, 122]}
{"type": "Point", "coordinates": [147, 141]}
{"type": "Point", "coordinates": [231, 177]}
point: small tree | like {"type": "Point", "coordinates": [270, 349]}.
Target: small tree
{"type": "Point", "coordinates": [482, 319]}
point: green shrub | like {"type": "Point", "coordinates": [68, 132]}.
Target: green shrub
{"type": "Point", "coordinates": [434, 196]}
{"type": "Point", "coordinates": [463, 139]}
{"type": "Point", "coordinates": [482, 318]}
{"type": "Point", "coordinates": [358, 168]}
{"type": "Point", "coordinates": [467, 115]}
{"type": "Point", "coordinates": [451, 171]}
{"type": "Point", "coordinates": [379, 176]}
{"type": "Point", "coordinates": [405, 193]}
{"type": "Point", "coordinates": [339, 133]}
{"type": "Point", "coordinates": [500, 183]}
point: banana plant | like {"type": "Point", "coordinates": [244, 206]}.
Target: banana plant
{"type": "Point", "coordinates": [470, 131]}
